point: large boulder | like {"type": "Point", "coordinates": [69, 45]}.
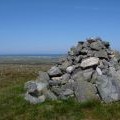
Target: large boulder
{"type": "Point", "coordinates": [85, 91]}
{"type": "Point", "coordinates": [109, 88]}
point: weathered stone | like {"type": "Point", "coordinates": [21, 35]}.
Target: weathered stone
{"type": "Point", "coordinates": [85, 91]}
{"type": "Point", "coordinates": [101, 54]}
{"type": "Point", "coordinates": [87, 74]}
{"type": "Point", "coordinates": [105, 63]}
{"type": "Point", "coordinates": [69, 85]}
{"type": "Point", "coordinates": [34, 100]}
{"type": "Point", "coordinates": [50, 95]}
{"type": "Point", "coordinates": [92, 61]}
{"type": "Point", "coordinates": [43, 77]}
{"type": "Point", "coordinates": [97, 45]}
{"type": "Point", "coordinates": [79, 47]}
{"type": "Point", "coordinates": [99, 71]}
{"type": "Point", "coordinates": [112, 71]}
{"type": "Point", "coordinates": [54, 71]}
{"type": "Point", "coordinates": [65, 78]}
{"type": "Point", "coordinates": [70, 69]}
{"type": "Point", "coordinates": [94, 78]}
{"type": "Point", "coordinates": [54, 82]}
{"type": "Point", "coordinates": [84, 51]}
{"type": "Point", "coordinates": [65, 65]}
{"type": "Point", "coordinates": [68, 92]}
{"type": "Point", "coordinates": [91, 40]}
{"type": "Point", "coordinates": [90, 53]}
{"type": "Point", "coordinates": [30, 86]}
{"type": "Point", "coordinates": [86, 45]}
{"type": "Point", "coordinates": [57, 91]}
{"type": "Point", "coordinates": [77, 75]}
{"type": "Point", "coordinates": [73, 51]}
{"type": "Point", "coordinates": [41, 86]}
{"type": "Point", "coordinates": [78, 58]}
{"type": "Point", "coordinates": [109, 88]}
{"type": "Point", "coordinates": [106, 44]}
{"type": "Point", "coordinates": [56, 78]}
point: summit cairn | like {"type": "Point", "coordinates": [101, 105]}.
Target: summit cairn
{"type": "Point", "coordinates": [91, 70]}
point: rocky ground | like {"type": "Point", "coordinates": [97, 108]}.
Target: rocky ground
{"type": "Point", "coordinates": [91, 71]}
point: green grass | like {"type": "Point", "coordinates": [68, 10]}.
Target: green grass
{"type": "Point", "coordinates": [14, 107]}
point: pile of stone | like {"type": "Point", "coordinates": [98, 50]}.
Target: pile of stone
{"type": "Point", "coordinates": [91, 70]}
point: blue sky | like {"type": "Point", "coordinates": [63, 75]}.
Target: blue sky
{"type": "Point", "coordinates": [53, 26]}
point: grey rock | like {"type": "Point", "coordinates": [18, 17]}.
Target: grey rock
{"type": "Point", "coordinates": [69, 85]}
{"type": "Point", "coordinates": [56, 90]}
{"type": "Point", "coordinates": [54, 71]}
{"type": "Point", "coordinates": [99, 71]}
{"type": "Point", "coordinates": [70, 69]}
{"type": "Point", "coordinates": [65, 64]}
{"type": "Point", "coordinates": [86, 44]}
{"type": "Point", "coordinates": [112, 71]}
{"type": "Point", "coordinates": [68, 92]}
{"type": "Point", "coordinates": [66, 77]}
{"type": "Point", "coordinates": [90, 62]}
{"type": "Point", "coordinates": [109, 88]}
{"type": "Point", "coordinates": [41, 86]}
{"type": "Point", "coordinates": [90, 53]}
{"type": "Point", "coordinates": [105, 71]}
{"type": "Point", "coordinates": [101, 54]}
{"type": "Point", "coordinates": [101, 65]}
{"type": "Point", "coordinates": [105, 63]}
{"type": "Point", "coordinates": [78, 59]}
{"type": "Point", "coordinates": [50, 95]}
{"type": "Point", "coordinates": [79, 47]}
{"type": "Point", "coordinates": [77, 75]}
{"type": "Point", "coordinates": [34, 100]}
{"type": "Point", "coordinates": [97, 45]}
{"type": "Point", "coordinates": [85, 91]}
{"type": "Point", "coordinates": [56, 78]}
{"type": "Point", "coordinates": [30, 86]}
{"type": "Point", "coordinates": [43, 77]}
{"type": "Point", "coordinates": [106, 44]}
{"type": "Point", "coordinates": [54, 82]}
{"type": "Point", "coordinates": [91, 40]}
{"type": "Point", "coordinates": [94, 78]}
{"type": "Point", "coordinates": [84, 51]}
{"type": "Point", "coordinates": [87, 74]}
{"type": "Point", "coordinates": [73, 51]}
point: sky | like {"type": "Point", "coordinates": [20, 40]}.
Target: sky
{"type": "Point", "coordinates": [53, 26]}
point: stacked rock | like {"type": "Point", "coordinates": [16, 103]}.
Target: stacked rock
{"type": "Point", "coordinates": [91, 70]}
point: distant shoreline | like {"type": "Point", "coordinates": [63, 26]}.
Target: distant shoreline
{"type": "Point", "coordinates": [30, 59]}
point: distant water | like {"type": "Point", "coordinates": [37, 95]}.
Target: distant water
{"type": "Point", "coordinates": [30, 59]}
{"type": "Point", "coordinates": [34, 56]}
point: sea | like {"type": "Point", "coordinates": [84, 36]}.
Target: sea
{"type": "Point", "coordinates": [30, 58]}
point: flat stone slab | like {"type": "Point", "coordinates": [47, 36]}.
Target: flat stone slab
{"type": "Point", "coordinates": [89, 62]}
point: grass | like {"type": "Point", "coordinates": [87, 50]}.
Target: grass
{"type": "Point", "coordinates": [14, 107]}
